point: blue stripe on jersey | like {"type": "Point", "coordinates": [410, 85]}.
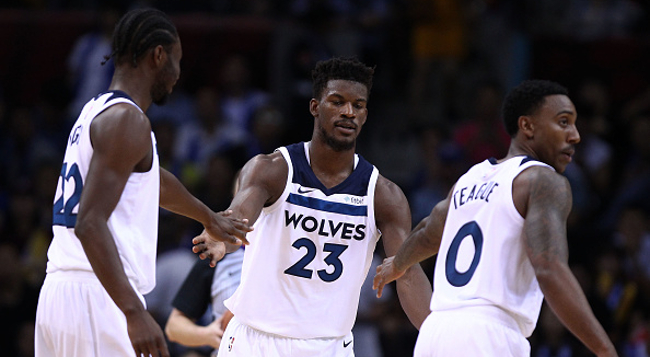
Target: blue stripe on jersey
{"type": "Point", "coordinates": [356, 184]}
{"type": "Point", "coordinates": [327, 206]}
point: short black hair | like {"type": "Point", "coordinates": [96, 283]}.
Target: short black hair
{"type": "Point", "coordinates": [140, 30]}
{"type": "Point", "coordinates": [349, 69]}
{"type": "Point", "coordinates": [525, 99]}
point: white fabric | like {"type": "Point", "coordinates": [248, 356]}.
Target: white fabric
{"type": "Point", "coordinates": [272, 300]}
{"type": "Point", "coordinates": [77, 318]}
{"type": "Point", "coordinates": [482, 212]}
{"type": "Point", "coordinates": [133, 223]}
{"type": "Point", "coordinates": [240, 340]}
{"type": "Point", "coordinates": [481, 331]}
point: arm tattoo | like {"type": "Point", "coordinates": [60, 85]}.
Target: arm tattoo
{"type": "Point", "coordinates": [549, 204]}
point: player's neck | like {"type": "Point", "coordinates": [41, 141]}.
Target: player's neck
{"type": "Point", "coordinates": [330, 166]}
{"type": "Point", "coordinates": [133, 87]}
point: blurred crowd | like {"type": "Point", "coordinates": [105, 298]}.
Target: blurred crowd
{"type": "Point", "coordinates": [442, 69]}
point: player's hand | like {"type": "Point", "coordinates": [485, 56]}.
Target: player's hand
{"type": "Point", "coordinates": [146, 335]}
{"type": "Point", "coordinates": [386, 273]}
{"type": "Point", "coordinates": [214, 333]}
{"type": "Point", "coordinates": [223, 228]}
{"type": "Point", "coordinates": [207, 248]}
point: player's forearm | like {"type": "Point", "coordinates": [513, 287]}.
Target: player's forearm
{"type": "Point", "coordinates": [567, 300]}
{"type": "Point", "coordinates": [414, 291]}
{"type": "Point", "coordinates": [416, 248]}
{"type": "Point", "coordinates": [99, 247]}
{"type": "Point", "coordinates": [175, 198]}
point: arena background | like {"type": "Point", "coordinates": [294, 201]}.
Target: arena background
{"type": "Point", "coordinates": [442, 68]}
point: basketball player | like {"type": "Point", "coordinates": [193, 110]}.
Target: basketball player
{"type": "Point", "coordinates": [500, 236]}
{"type": "Point", "coordinates": [319, 209]}
{"type": "Point", "coordinates": [105, 223]}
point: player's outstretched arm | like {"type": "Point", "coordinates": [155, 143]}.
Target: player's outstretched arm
{"type": "Point", "coordinates": [394, 221]}
{"type": "Point", "coordinates": [547, 204]}
{"type": "Point", "coordinates": [423, 242]}
{"type": "Point", "coordinates": [175, 198]}
{"type": "Point", "coordinates": [260, 183]}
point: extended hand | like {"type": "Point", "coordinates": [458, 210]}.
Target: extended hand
{"type": "Point", "coordinates": [386, 273]}
{"type": "Point", "coordinates": [223, 228]}
{"type": "Point", "coordinates": [208, 248]}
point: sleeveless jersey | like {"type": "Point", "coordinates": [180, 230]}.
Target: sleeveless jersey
{"type": "Point", "coordinates": [482, 259]}
{"type": "Point", "coordinates": [309, 253]}
{"type": "Point", "coordinates": [133, 223]}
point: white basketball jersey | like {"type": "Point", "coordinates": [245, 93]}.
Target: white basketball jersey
{"type": "Point", "coordinates": [309, 253]}
{"type": "Point", "coordinates": [482, 259]}
{"type": "Point", "coordinates": [133, 223]}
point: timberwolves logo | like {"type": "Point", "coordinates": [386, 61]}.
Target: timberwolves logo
{"type": "Point", "coordinates": [231, 341]}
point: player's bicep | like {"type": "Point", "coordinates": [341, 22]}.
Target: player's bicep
{"type": "Point", "coordinates": [119, 144]}
{"type": "Point", "coordinates": [261, 181]}
{"type": "Point", "coordinates": [392, 214]}
{"type": "Point", "coordinates": [549, 204]}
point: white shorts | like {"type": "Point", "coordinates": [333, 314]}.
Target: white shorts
{"type": "Point", "coordinates": [76, 317]}
{"type": "Point", "coordinates": [241, 340]}
{"type": "Point", "coordinates": [476, 332]}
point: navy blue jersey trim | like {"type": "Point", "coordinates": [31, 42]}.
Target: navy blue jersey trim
{"type": "Point", "coordinates": [115, 94]}
{"type": "Point", "coordinates": [327, 206]}
{"type": "Point", "coordinates": [526, 159]}
{"type": "Point", "coordinates": [356, 184]}
{"type": "Point", "coordinates": [493, 161]}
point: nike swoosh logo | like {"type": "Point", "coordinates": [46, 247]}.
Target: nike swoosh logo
{"type": "Point", "coordinates": [346, 344]}
{"type": "Point", "coordinates": [300, 190]}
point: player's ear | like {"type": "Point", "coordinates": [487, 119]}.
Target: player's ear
{"type": "Point", "coordinates": [526, 126]}
{"type": "Point", "coordinates": [158, 56]}
{"type": "Point", "coordinates": [313, 107]}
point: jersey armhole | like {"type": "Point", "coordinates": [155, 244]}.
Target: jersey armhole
{"type": "Point", "coordinates": [285, 192]}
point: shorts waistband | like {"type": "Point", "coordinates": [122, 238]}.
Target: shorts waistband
{"type": "Point", "coordinates": [85, 277]}
{"type": "Point", "coordinates": [491, 313]}
{"type": "Point", "coordinates": [59, 275]}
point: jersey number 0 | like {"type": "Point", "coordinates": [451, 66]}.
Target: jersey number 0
{"type": "Point", "coordinates": [456, 278]}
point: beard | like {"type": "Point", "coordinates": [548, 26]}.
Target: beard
{"type": "Point", "coordinates": [159, 96]}
{"type": "Point", "coordinates": [336, 145]}
{"type": "Point", "coordinates": [159, 92]}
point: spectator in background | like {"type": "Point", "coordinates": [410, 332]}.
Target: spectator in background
{"type": "Point", "coordinates": [239, 98]}
{"type": "Point", "coordinates": [197, 142]}
{"type": "Point", "coordinates": [90, 73]}
{"type": "Point", "coordinates": [483, 135]}
{"type": "Point", "coordinates": [269, 129]}
{"type": "Point", "coordinates": [439, 43]}
{"type": "Point", "coordinates": [17, 299]}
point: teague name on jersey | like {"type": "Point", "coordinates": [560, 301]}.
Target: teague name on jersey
{"type": "Point", "coordinates": [465, 195]}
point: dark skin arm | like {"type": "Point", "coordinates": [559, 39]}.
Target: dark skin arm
{"type": "Point", "coordinates": [175, 198]}
{"type": "Point", "coordinates": [260, 183]}
{"type": "Point", "coordinates": [122, 144]}
{"type": "Point", "coordinates": [394, 222]}
{"type": "Point", "coordinates": [543, 197]}
{"type": "Point", "coordinates": [422, 243]}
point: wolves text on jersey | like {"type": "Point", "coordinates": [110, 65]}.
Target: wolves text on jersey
{"type": "Point", "coordinates": [325, 227]}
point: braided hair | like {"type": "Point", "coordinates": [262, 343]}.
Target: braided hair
{"type": "Point", "coordinates": [138, 31]}
{"type": "Point", "coordinates": [350, 69]}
